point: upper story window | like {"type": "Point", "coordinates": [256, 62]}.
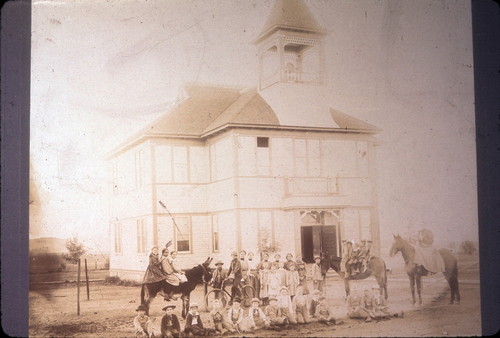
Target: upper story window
{"type": "Point", "coordinates": [307, 158]}
{"type": "Point", "coordinates": [263, 156]}
{"type": "Point", "coordinates": [182, 231]}
{"type": "Point", "coordinates": [215, 233]}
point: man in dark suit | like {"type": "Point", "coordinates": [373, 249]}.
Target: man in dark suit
{"type": "Point", "coordinates": [218, 277]}
{"type": "Point", "coordinates": [236, 274]}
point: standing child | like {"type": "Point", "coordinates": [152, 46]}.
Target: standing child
{"type": "Point", "coordinates": [289, 261]}
{"type": "Point", "coordinates": [253, 275]}
{"type": "Point", "coordinates": [219, 317]}
{"type": "Point", "coordinates": [292, 280]}
{"type": "Point", "coordinates": [194, 326]}
{"type": "Point", "coordinates": [323, 313]}
{"type": "Point", "coordinates": [274, 281]}
{"type": "Point", "coordinates": [273, 312]}
{"type": "Point", "coordinates": [299, 305]}
{"type": "Point", "coordinates": [316, 274]}
{"type": "Point", "coordinates": [303, 275]}
{"type": "Point", "coordinates": [263, 268]}
{"type": "Point", "coordinates": [170, 326]}
{"type": "Point", "coordinates": [256, 317]}
{"type": "Point", "coordinates": [143, 325]}
{"type": "Point", "coordinates": [285, 304]}
{"type": "Point", "coordinates": [314, 302]}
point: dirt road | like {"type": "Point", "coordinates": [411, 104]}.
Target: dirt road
{"type": "Point", "coordinates": [110, 310]}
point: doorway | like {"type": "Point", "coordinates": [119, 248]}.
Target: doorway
{"type": "Point", "coordinates": [318, 238]}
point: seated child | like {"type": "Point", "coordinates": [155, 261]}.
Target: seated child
{"type": "Point", "coordinates": [285, 304]}
{"type": "Point", "coordinates": [218, 315]}
{"type": "Point", "coordinates": [235, 316]}
{"type": "Point", "coordinates": [323, 313]}
{"type": "Point", "coordinates": [273, 312]}
{"type": "Point", "coordinates": [170, 326]}
{"type": "Point", "coordinates": [313, 302]}
{"type": "Point", "coordinates": [194, 326]}
{"type": "Point", "coordinates": [256, 317]}
{"type": "Point", "coordinates": [381, 310]}
{"type": "Point", "coordinates": [299, 305]}
{"type": "Point", "coordinates": [143, 325]}
{"type": "Point", "coordinates": [355, 307]}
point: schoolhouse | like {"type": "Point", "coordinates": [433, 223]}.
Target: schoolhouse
{"type": "Point", "coordinates": [272, 167]}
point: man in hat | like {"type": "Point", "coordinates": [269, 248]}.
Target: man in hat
{"type": "Point", "coordinates": [218, 278]}
{"type": "Point", "coordinates": [170, 326]}
{"type": "Point", "coordinates": [285, 304]}
{"type": "Point", "coordinates": [236, 274]}
{"type": "Point", "coordinates": [194, 325]}
{"type": "Point", "coordinates": [317, 277]}
{"type": "Point", "coordinates": [143, 325]}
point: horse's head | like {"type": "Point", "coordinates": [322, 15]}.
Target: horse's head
{"type": "Point", "coordinates": [397, 245]}
{"type": "Point", "coordinates": [324, 263]}
{"type": "Point", "coordinates": [207, 272]}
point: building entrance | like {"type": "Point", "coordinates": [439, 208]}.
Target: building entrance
{"type": "Point", "coordinates": [318, 239]}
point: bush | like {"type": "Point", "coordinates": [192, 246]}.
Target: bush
{"type": "Point", "coordinates": [115, 280]}
{"type": "Point", "coordinates": [468, 247]}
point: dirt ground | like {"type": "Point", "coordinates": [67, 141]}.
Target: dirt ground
{"type": "Point", "coordinates": [110, 310]}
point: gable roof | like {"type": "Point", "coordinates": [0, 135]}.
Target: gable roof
{"type": "Point", "coordinates": [209, 109]}
{"type": "Point", "coordinates": [290, 15]}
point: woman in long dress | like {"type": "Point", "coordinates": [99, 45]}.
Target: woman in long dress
{"type": "Point", "coordinates": [154, 273]}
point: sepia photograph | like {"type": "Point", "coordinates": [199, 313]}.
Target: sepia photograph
{"type": "Point", "coordinates": [257, 168]}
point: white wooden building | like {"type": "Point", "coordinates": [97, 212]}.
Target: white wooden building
{"type": "Point", "coordinates": [273, 164]}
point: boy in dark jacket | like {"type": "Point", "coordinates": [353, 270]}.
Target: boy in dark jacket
{"type": "Point", "coordinates": [170, 326]}
{"type": "Point", "coordinates": [194, 326]}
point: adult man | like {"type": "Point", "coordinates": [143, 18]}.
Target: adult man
{"type": "Point", "coordinates": [236, 274]}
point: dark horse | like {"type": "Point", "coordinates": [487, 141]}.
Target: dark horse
{"type": "Point", "coordinates": [375, 267]}
{"type": "Point", "coordinates": [197, 275]}
{"type": "Point", "coordinates": [415, 272]}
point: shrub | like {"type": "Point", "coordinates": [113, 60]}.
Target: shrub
{"type": "Point", "coordinates": [468, 247]}
{"type": "Point", "coordinates": [115, 280]}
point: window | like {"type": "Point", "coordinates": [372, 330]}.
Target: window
{"type": "Point", "coordinates": [263, 142]}
{"type": "Point", "coordinates": [141, 236]}
{"type": "Point", "coordinates": [215, 233]}
{"type": "Point", "coordinates": [307, 158]}
{"type": "Point", "coordinates": [182, 234]}
{"type": "Point", "coordinates": [118, 238]}
{"type": "Point", "coordinates": [263, 165]}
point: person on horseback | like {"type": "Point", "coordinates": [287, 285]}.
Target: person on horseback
{"type": "Point", "coordinates": [426, 255]}
{"type": "Point", "coordinates": [168, 269]}
{"type": "Point", "coordinates": [154, 272]}
{"type": "Point", "coordinates": [349, 258]}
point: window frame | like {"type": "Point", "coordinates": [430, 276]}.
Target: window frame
{"type": "Point", "coordinates": [189, 239]}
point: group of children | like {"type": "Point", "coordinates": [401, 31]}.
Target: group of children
{"type": "Point", "coordinates": [369, 306]}
{"type": "Point", "coordinates": [281, 312]}
{"type": "Point", "coordinates": [267, 277]}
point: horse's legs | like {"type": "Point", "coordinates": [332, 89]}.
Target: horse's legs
{"type": "Point", "coordinates": [347, 289]}
{"type": "Point", "coordinates": [412, 286]}
{"type": "Point", "coordinates": [419, 288]}
{"type": "Point", "coordinates": [185, 305]}
{"type": "Point", "coordinates": [382, 283]}
{"type": "Point", "coordinates": [455, 292]}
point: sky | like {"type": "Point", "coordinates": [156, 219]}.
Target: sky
{"type": "Point", "coordinates": [101, 70]}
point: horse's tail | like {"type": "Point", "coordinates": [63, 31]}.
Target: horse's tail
{"type": "Point", "coordinates": [143, 301]}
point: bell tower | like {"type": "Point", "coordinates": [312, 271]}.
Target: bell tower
{"type": "Point", "coordinates": [290, 46]}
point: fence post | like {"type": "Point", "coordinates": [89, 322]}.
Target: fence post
{"type": "Point", "coordinates": [87, 279]}
{"type": "Point", "coordinates": [78, 290]}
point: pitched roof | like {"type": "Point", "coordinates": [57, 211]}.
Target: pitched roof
{"type": "Point", "coordinates": [207, 109]}
{"type": "Point", "coordinates": [291, 15]}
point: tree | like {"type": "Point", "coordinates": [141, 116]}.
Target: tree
{"type": "Point", "coordinates": [468, 247]}
{"type": "Point", "coordinates": [75, 250]}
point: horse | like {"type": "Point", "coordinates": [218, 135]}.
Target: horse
{"type": "Point", "coordinates": [374, 267]}
{"type": "Point", "coordinates": [197, 275]}
{"type": "Point", "coordinates": [415, 272]}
